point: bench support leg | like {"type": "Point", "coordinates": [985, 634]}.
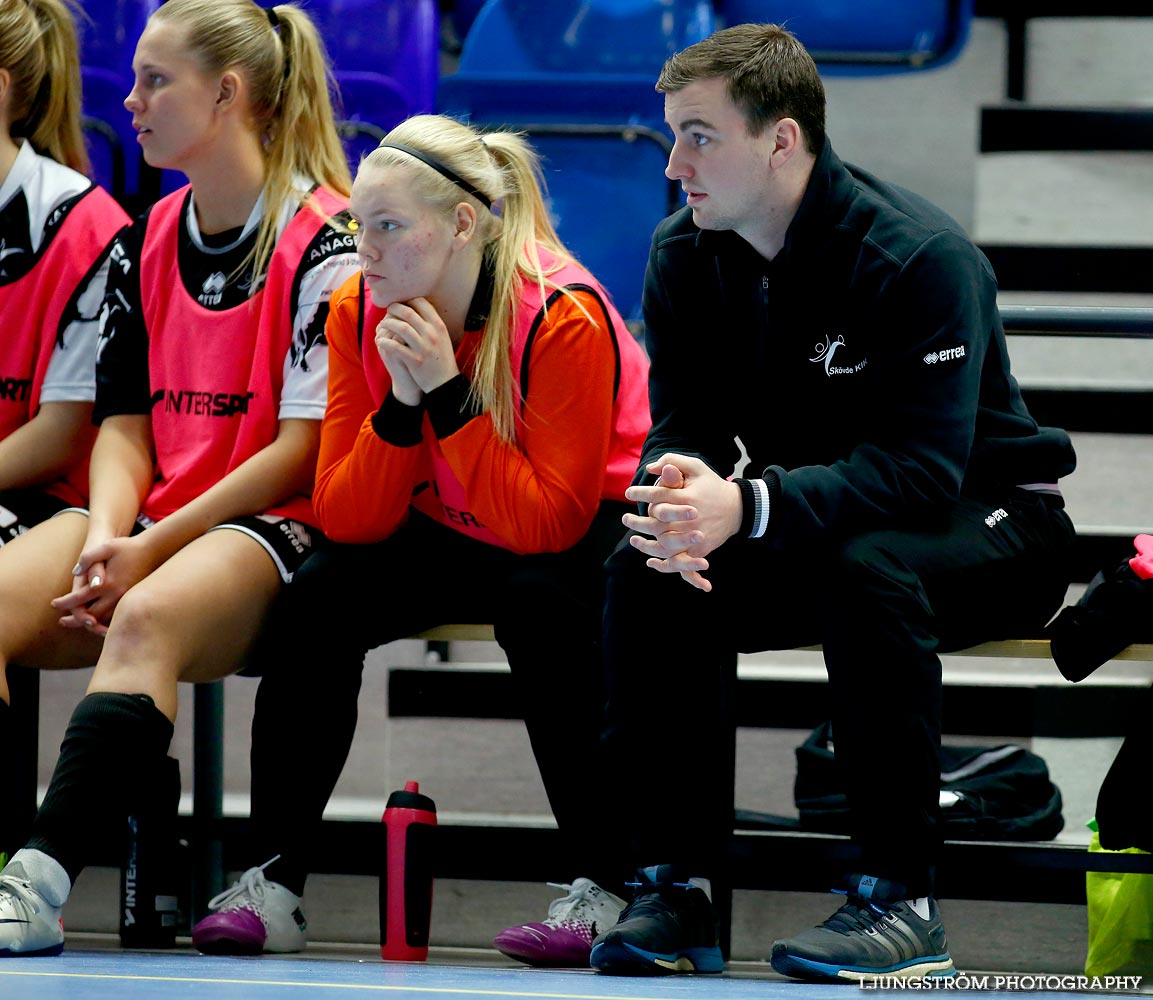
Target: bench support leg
{"type": "Point", "coordinates": [207, 795]}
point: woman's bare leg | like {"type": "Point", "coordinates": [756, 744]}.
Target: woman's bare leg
{"type": "Point", "coordinates": [35, 568]}
{"type": "Point", "coordinates": [192, 619]}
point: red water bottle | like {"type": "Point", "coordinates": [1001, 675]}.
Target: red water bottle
{"type": "Point", "coordinates": [406, 881]}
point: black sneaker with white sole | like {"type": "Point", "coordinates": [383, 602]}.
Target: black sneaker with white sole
{"type": "Point", "coordinates": [877, 932]}
{"type": "Point", "coordinates": [668, 927]}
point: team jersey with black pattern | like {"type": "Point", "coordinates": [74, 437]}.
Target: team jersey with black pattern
{"type": "Point", "coordinates": [213, 352]}
{"type": "Point", "coordinates": [56, 230]}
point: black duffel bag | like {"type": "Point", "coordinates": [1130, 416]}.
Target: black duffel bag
{"type": "Point", "coordinates": [987, 793]}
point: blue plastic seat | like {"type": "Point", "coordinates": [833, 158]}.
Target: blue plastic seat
{"type": "Point", "coordinates": [605, 194]}
{"type": "Point", "coordinates": [385, 56]}
{"type": "Point", "coordinates": [462, 13]}
{"type": "Point", "coordinates": [581, 60]}
{"type": "Point", "coordinates": [865, 37]}
{"type": "Point", "coordinates": [373, 103]}
{"type": "Point", "coordinates": [109, 31]}
{"type": "Point", "coordinates": [105, 133]}
{"type": "Point", "coordinates": [108, 35]}
{"type": "Point", "coordinates": [578, 76]}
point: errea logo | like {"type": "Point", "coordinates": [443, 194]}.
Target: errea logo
{"type": "Point", "coordinates": [998, 515]}
{"type": "Point", "coordinates": [949, 354]}
{"type": "Point", "coordinates": [210, 291]}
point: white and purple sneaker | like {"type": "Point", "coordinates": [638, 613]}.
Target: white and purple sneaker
{"type": "Point", "coordinates": [564, 938]}
{"type": "Point", "coordinates": [254, 916]}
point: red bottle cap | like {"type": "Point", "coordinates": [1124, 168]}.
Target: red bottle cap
{"type": "Point", "coordinates": [410, 798]}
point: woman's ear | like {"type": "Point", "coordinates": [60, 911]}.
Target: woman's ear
{"type": "Point", "coordinates": [229, 89]}
{"type": "Point", "coordinates": [465, 219]}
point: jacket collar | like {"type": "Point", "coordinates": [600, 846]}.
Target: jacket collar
{"type": "Point", "coordinates": [825, 201]}
{"type": "Point", "coordinates": [481, 304]}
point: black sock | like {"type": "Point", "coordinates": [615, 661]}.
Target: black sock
{"type": "Point", "coordinates": [114, 745]}
{"type": "Point", "coordinates": [18, 751]}
{"type": "Point", "coordinates": [295, 767]}
{"type": "Point", "coordinates": [8, 834]}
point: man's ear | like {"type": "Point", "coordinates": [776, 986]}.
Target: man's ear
{"type": "Point", "coordinates": [788, 140]}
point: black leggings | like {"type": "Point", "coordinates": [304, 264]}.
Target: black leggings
{"type": "Point", "coordinates": [347, 599]}
{"type": "Point", "coordinates": [882, 604]}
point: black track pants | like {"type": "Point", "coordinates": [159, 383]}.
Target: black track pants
{"type": "Point", "coordinates": [882, 604]}
{"type": "Point", "coordinates": [347, 599]}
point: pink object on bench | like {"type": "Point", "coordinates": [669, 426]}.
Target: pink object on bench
{"type": "Point", "coordinates": [1142, 563]}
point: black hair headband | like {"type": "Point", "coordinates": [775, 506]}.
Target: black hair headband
{"type": "Point", "coordinates": [441, 169]}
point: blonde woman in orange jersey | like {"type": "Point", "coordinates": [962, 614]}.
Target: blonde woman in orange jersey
{"type": "Point", "coordinates": [486, 408]}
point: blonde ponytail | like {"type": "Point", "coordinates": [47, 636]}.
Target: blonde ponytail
{"type": "Point", "coordinates": [38, 47]}
{"type": "Point", "coordinates": [286, 67]}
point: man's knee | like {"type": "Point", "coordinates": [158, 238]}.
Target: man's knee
{"type": "Point", "coordinates": [629, 577]}
{"type": "Point", "coordinates": [864, 560]}
{"type": "Point", "coordinates": [624, 559]}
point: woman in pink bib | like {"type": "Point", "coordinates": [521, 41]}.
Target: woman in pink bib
{"type": "Point", "coordinates": [211, 374]}
{"type": "Point", "coordinates": [56, 231]}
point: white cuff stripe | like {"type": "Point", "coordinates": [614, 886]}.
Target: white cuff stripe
{"type": "Point", "coordinates": [761, 505]}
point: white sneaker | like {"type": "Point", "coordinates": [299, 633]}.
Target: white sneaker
{"type": "Point", "coordinates": [29, 924]}
{"type": "Point", "coordinates": [254, 916]}
{"type": "Point", "coordinates": [565, 936]}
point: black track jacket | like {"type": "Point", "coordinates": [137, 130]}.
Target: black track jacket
{"type": "Point", "coordinates": [864, 368]}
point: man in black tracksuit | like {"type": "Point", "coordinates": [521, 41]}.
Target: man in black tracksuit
{"type": "Point", "coordinates": [898, 500]}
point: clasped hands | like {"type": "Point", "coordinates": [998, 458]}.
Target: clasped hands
{"type": "Point", "coordinates": [416, 348]}
{"type": "Point", "coordinates": [691, 512]}
{"type": "Point", "coordinates": [104, 572]}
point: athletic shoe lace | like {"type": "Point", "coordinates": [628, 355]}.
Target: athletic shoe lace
{"type": "Point", "coordinates": [246, 893]}
{"type": "Point", "coordinates": [21, 897]}
{"type": "Point", "coordinates": [571, 908]}
{"type": "Point", "coordinates": [856, 916]}
{"type": "Point", "coordinates": [649, 904]}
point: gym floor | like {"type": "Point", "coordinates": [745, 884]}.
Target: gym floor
{"type": "Point", "coordinates": [92, 970]}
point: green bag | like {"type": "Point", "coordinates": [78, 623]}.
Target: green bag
{"type": "Point", "coordinates": [1120, 919]}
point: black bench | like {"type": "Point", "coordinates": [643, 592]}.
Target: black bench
{"type": "Point", "coordinates": [770, 859]}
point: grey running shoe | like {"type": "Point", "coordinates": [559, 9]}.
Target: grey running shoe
{"type": "Point", "coordinates": [876, 933]}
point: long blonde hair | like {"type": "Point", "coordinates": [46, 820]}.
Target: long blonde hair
{"type": "Point", "coordinates": [506, 169]}
{"type": "Point", "coordinates": [38, 48]}
{"type": "Point", "coordinates": [289, 78]}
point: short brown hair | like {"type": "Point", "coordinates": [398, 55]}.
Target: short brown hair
{"type": "Point", "coordinates": [768, 73]}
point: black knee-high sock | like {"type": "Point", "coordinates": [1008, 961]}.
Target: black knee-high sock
{"type": "Point", "coordinates": [114, 744]}
{"type": "Point", "coordinates": [19, 727]}
{"type": "Point", "coordinates": [9, 837]}
{"type": "Point", "coordinates": [295, 766]}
